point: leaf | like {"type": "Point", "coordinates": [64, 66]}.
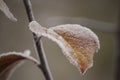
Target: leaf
{"type": "Point", "coordinates": [9, 61]}
{"type": "Point", "coordinates": [6, 11]}
{"type": "Point", "coordinates": [78, 43]}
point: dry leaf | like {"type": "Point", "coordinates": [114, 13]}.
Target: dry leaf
{"type": "Point", "coordinates": [6, 11]}
{"type": "Point", "coordinates": [9, 61]}
{"type": "Point", "coordinates": [78, 43]}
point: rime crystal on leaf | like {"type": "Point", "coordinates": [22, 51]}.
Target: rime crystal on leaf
{"type": "Point", "coordinates": [9, 61]}
{"type": "Point", "coordinates": [6, 11]}
{"type": "Point", "coordinates": [78, 43]}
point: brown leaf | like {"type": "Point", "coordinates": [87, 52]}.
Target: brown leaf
{"type": "Point", "coordinates": [78, 43]}
{"type": "Point", "coordinates": [9, 61]}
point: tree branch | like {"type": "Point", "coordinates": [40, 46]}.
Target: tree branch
{"type": "Point", "coordinates": [44, 65]}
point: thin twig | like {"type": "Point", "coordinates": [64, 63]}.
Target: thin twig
{"type": "Point", "coordinates": [44, 65]}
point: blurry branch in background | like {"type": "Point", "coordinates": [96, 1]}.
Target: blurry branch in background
{"type": "Point", "coordinates": [91, 23]}
{"type": "Point", "coordinates": [117, 76]}
{"type": "Point", "coordinates": [44, 65]}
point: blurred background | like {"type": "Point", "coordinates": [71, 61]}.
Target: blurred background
{"type": "Point", "coordinates": [99, 15]}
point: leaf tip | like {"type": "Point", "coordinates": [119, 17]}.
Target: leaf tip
{"type": "Point", "coordinates": [4, 8]}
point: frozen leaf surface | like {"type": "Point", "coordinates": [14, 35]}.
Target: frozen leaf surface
{"type": "Point", "coordinates": [78, 43]}
{"type": "Point", "coordinates": [6, 11]}
{"type": "Point", "coordinates": [9, 61]}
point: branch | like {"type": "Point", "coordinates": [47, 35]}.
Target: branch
{"type": "Point", "coordinates": [44, 65]}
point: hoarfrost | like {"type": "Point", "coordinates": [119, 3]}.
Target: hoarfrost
{"type": "Point", "coordinates": [78, 43]}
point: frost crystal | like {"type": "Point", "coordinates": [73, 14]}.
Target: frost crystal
{"type": "Point", "coordinates": [6, 11]}
{"type": "Point", "coordinates": [78, 43]}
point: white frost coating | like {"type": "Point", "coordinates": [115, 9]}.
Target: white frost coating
{"type": "Point", "coordinates": [40, 31]}
{"type": "Point", "coordinates": [79, 31]}
{"type": "Point", "coordinates": [66, 48]}
{"type": "Point", "coordinates": [26, 55]}
{"type": "Point", "coordinates": [6, 11]}
{"type": "Point", "coordinates": [27, 52]}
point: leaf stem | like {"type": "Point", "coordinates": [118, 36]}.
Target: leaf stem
{"type": "Point", "coordinates": [44, 64]}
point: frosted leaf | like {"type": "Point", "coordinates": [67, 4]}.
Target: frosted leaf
{"type": "Point", "coordinates": [78, 43]}
{"type": "Point", "coordinates": [6, 11]}
{"type": "Point", "coordinates": [9, 61]}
